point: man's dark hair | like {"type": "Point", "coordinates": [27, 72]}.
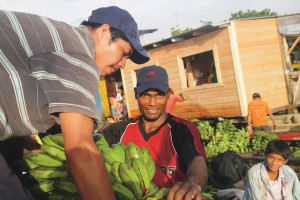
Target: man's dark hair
{"type": "Point", "coordinates": [279, 147]}
{"type": "Point", "coordinates": [115, 33]}
{"type": "Point", "coordinates": [256, 95]}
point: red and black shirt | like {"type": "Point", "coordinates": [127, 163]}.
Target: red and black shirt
{"type": "Point", "coordinates": [172, 145]}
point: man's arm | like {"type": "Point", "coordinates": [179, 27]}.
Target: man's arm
{"type": "Point", "coordinates": [84, 159]}
{"type": "Point", "coordinates": [249, 128]}
{"type": "Point", "coordinates": [272, 118]}
{"type": "Point", "coordinates": [197, 176]}
{"type": "Point", "coordinates": [197, 172]}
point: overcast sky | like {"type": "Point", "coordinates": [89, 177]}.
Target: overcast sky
{"type": "Point", "coordinates": [152, 14]}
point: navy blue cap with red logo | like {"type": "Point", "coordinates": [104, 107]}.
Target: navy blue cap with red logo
{"type": "Point", "coordinates": [152, 77]}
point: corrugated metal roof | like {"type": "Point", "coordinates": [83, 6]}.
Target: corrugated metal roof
{"type": "Point", "coordinates": [287, 25]}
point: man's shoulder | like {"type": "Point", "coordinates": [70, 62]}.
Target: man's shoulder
{"type": "Point", "coordinates": [256, 168]}
{"type": "Point", "coordinates": [177, 122]}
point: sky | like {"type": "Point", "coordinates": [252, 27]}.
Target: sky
{"type": "Point", "coordinates": [152, 14]}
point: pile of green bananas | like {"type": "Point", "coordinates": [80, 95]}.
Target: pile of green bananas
{"type": "Point", "coordinates": [295, 151]}
{"type": "Point", "coordinates": [46, 173]}
{"type": "Point", "coordinates": [223, 138]}
{"type": "Point", "coordinates": [131, 170]}
{"type": "Point", "coordinates": [261, 139]}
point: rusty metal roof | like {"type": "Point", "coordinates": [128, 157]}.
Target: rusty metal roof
{"type": "Point", "coordinates": [190, 34]}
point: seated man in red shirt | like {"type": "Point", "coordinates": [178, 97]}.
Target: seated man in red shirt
{"type": "Point", "coordinates": [174, 143]}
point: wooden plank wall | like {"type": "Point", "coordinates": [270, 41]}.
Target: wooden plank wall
{"type": "Point", "coordinates": [203, 101]}
{"type": "Point", "coordinates": [261, 58]}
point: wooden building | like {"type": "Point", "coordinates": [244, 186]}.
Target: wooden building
{"type": "Point", "coordinates": [218, 68]}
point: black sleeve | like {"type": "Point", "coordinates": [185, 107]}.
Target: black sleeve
{"type": "Point", "coordinates": [183, 141]}
{"type": "Point", "coordinates": [114, 132]}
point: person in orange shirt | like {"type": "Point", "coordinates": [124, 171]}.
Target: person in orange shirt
{"type": "Point", "coordinates": [257, 115]}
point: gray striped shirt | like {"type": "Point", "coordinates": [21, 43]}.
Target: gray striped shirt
{"type": "Point", "coordinates": [46, 67]}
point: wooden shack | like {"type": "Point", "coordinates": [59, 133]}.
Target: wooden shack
{"type": "Point", "coordinates": [218, 68]}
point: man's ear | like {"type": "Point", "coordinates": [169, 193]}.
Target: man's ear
{"type": "Point", "coordinates": [103, 31]}
{"type": "Point", "coordinates": [286, 161]}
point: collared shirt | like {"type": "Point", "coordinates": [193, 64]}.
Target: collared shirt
{"type": "Point", "coordinates": [256, 188]}
{"type": "Point", "coordinates": [46, 67]}
{"type": "Point", "coordinates": [172, 145]}
{"type": "Point", "coordinates": [274, 188]}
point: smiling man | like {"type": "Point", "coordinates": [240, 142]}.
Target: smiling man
{"type": "Point", "coordinates": [174, 143]}
{"type": "Point", "coordinates": [49, 73]}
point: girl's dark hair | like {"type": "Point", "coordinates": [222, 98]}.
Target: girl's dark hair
{"type": "Point", "coordinates": [279, 147]}
{"type": "Point", "coordinates": [115, 33]}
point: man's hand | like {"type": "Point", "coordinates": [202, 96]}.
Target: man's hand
{"type": "Point", "coordinates": [185, 190]}
{"type": "Point", "coordinates": [249, 129]}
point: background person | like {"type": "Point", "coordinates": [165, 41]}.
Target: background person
{"type": "Point", "coordinates": [119, 98]}
{"type": "Point", "coordinates": [50, 73]}
{"type": "Point", "coordinates": [172, 101]}
{"type": "Point", "coordinates": [116, 115]}
{"type": "Point", "coordinates": [174, 143]}
{"type": "Point", "coordinates": [257, 115]}
{"type": "Point", "coordinates": [272, 178]}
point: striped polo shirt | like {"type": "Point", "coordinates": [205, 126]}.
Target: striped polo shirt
{"type": "Point", "coordinates": [46, 67]}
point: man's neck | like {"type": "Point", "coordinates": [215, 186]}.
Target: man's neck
{"type": "Point", "coordinates": [273, 175]}
{"type": "Point", "coordinates": [152, 126]}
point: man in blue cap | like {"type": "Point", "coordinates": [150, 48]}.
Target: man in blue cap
{"type": "Point", "coordinates": [50, 73]}
{"type": "Point", "coordinates": [174, 143]}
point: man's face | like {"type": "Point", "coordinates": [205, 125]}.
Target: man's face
{"type": "Point", "coordinates": [111, 55]}
{"type": "Point", "coordinates": [152, 104]}
{"type": "Point", "coordinates": [274, 162]}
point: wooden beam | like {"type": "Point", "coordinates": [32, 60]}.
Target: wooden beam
{"type": "Point", "coordinates": [238, 70]}
{"type": "Point", "coordinates": [294, 45]}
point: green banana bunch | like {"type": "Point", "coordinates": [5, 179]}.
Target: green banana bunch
{"type": "Point", "coordinates": [54, 195]}
{"type": "Point", "coordinates": [58, 139]}
{"type": "Point", "coordinates": [54, 151]}
{"type": "Point", "coordinates": [153, 189]}
{"type": "Point", "coordinates": [43, 172]}
{"type": "Point", "coordinates": [296, 153]}
{"type": "Point", "coordinates": [25, 164]}
{"type": "Point", "coordinates": [48, 140]}
{"type": "Point", "coordinates": [115, 171]}
{"type": "Point", "coordinates": [119, 149]}
{"type": "Point", "coordinates": [110, 155]}
{"type": "Point", "coordinates": [108, 167]}
{"type": "Point", "coordinates": [159, 194]}
{"type": "Point", "coordinates": [99, 139]}
{"type": "Point", "coordinates": [131, 151]}
{"type": "Point", "coordinates": [43, 186]}
{"type": "Point", "coordinates": [130, 180]}
{"type": "Point", "coordinates": [66, 184]}
{"type": "Point", "coordinates": [122, 192]}
{"type": "Point", "coordinates": [140, 169]}
{"type": "Point", "coordinates": [145, 155]}
{"type": "Point", "coordinates": [43, 159]}
{"type": "Point", "coordinates": [130, 169]}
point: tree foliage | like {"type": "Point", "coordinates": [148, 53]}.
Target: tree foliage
{"type": "Point", "coordinates": [177, 31]}
{"type": "Point", "coordinates": [251, 14]}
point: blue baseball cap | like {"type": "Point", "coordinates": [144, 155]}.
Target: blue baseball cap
{"type": "Point", "coordinates": [120, 19]}
{"type": "Point", "coordinates": [152, 77]}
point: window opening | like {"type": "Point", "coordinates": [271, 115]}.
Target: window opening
{"type": "Point", "coordinates": [200, 69]}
